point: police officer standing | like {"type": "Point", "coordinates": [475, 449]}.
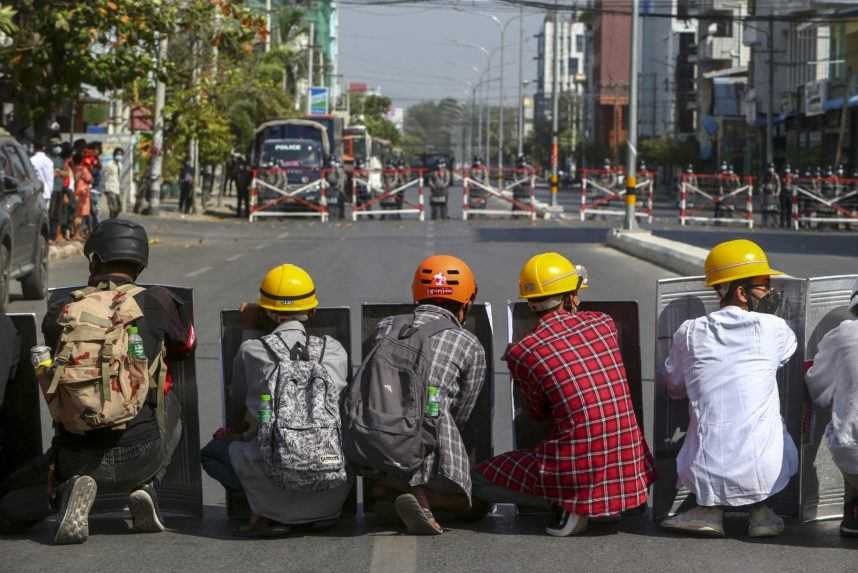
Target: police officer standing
{"type": "Point", "coordinates": [439, 190]}
{"type": "Point", "coordinates": [785, 195]}
{"type": "Point", "coordinates": [771, 193]}
{"type": "Point", "coordinates": [521, 191]}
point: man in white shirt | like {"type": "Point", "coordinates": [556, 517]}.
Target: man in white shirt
{"type": "Point", "coordinates": [833, 383]}
{"type": "Point", "coordinates": [44, 167]}
{"type": "Point", "coordinates": [737, 451]}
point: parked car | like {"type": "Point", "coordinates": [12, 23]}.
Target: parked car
{"type": "Point", "coordinates": [23, 224]}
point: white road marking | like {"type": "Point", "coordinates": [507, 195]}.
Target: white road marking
{"type": "Point", "coordinates": [393, 554]}
{"type": "Point", "coordinates": [261, 246]}
{"type": "Point", "coordinates": [198, 272]}
{"type": "Point", "coordinates": [234, 257]}
{"type": "Point", "coordinates": [283, 235]}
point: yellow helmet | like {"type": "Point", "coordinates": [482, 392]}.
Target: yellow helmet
{"type": "Point", "coordinates": [736, 260]}
{"type": "Point", "coordinates": [287, 288]}
{"type": "Point", "coordinates": [548, 274]}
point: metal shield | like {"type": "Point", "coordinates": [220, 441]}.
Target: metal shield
{"type": "Point", "coordinates": [684, 298]}
{"type": "Point", "coordinates": [625, 314]}
{"type": "Point", "coordinates": [333, 322]}
{"type": "Point", "coordinates": [180, 493]}
{"type": "Point", "coordinates": [821, 480]}
{"type": "Point", "coordinates": [477, 434]}
{"type": "Point", "coordinates": [20, 422]}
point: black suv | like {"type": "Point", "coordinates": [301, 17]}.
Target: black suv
{"type": "Point", "coordinates": [23, 224]}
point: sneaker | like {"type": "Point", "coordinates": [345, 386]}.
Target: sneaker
{"type": "Point", "coordinates": [849, 525]}
{"type": "Point", "coordinates": [708, 521]}
{"type": "Point", "coordinates": [764, 522]}
{"type": "Point", "coordinates": [77, 497]}
{"type": "Point", "coordinates": [145, 517]}
{"type": "Point", "coordinates": [565, 523]}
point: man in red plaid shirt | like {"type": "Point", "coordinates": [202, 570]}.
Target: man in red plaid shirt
{"type": "Point", "coordinates": [594, 462]}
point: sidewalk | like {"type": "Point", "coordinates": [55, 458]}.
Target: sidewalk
{"type": "Point", "coordinates": [681, 258]}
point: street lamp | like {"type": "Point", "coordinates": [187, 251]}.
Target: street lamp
{"type": "Point", "coordinates": [521, 87]}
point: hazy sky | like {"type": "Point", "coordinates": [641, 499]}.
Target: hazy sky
{"type": "Point", "coordinates": [414, 53]}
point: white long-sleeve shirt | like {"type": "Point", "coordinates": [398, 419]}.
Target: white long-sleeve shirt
{"type": "Point", "coordinates": [737, 450]}
{"type": "Point", "coordinates": [833, 383]}
{"type": "Point", "coordinates": [45, 170]}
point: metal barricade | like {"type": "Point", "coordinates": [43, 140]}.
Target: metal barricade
{"type": "Point", "coordinates": [20, 421]}
{"type": "Point", "coordinates": [522, 204]}
{"type": "Point", "coordinates": [821, 480]}
{"type": "Point", "coordinates": [822, 200]}
{"type": "Point", "coordinates": [379, 195]}
{"type": "Point", "coordinates": [180, 492]}
{"type": "Point", "coordinates": [625, 314]}
{"type": "Point", "coordinates": [684, 298]}
{"type": "Point", "coordinates": [721, 192]}
{"type": "Point", "coordinates": [333, 322]}
{"type": "Point", "coordinates": [477, 435]}
{"type": "Point", "coordinates": [278, 192]}
{"type": "Point", "coordinates": [602, 187]}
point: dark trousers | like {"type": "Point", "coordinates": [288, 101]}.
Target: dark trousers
{"type": "Point", "coordinates": [243, 198]}
{"type": "Point", "coordinates": [439, 210]}
{"type": "Point", "coordinates": [24, 499]}
{"type": "Point", "coordinates": [114, 204]}
{"type": "Point", "coordinates": [214, 458]}
{"type": "Point", "coordinates": [185, 191]}
{"type": "Point", "coordinates": [786, 210]}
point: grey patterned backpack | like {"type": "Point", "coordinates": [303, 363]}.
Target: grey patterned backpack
{"type": "Point", "coordinates": [301, 446]}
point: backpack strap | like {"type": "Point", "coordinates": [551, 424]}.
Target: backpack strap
{"type": "Point", "coordinates": [430, 328]}
{"type": "Point", "coordinates": [158, 373]}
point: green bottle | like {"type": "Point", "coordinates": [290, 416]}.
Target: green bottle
{"type": "Point", "coordinates": [433, 402]}
{"type": "Point", "coordinates": [135, 344]}
{"type": "Point", "coordinates": [265, 411]}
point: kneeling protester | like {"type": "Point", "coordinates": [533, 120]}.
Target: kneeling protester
{"type": "Point", "coordinates": [288, 458]}
{"type": "Point", "coordinates": [594, 462]}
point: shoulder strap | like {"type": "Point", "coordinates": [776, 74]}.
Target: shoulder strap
{"type": "Point", "coordinates": [437, 325]}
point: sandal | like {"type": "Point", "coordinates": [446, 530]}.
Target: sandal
{"type": "Point", "coordinates": [262, 528]}
{"type": "Point", "coordinates": [418, 521]}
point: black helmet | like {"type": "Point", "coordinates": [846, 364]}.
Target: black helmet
{"type": "Point", "coordinates": [118, 240]}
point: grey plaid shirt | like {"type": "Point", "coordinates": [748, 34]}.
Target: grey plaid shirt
{"type": "Point", "coordinates": [459, 370]}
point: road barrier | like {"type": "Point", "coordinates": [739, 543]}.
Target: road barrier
{"type": "Point", "coordinates": [381, 196]}
{"type": "Point", "coordinates": [519, 193]}
{"type": "Point", "coordinates": [820, 200]}
{"type": "Point", "coordinates": [608, 186]}
{"type": "Point", "coordinates": [294, 192]}
{"type": "Point", "coordinates": [721, 191]}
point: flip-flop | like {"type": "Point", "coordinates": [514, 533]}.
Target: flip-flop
{"type": "Point", "coordinates": [263, 529]}
{"type": "Point", "coordinates": [418, 521]}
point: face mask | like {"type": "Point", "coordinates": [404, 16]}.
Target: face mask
{"type": "Point", "coordinates": [769, 304]}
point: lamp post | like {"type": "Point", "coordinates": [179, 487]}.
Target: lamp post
{"type": "Point", "coordinates": [632, 162]}
{"type": "Point", "coordinates": [521, 86]}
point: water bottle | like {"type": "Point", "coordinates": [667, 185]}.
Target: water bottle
{"type": "Point", "coordinates": [433, 402]}
{"type": "Point", "coordinates": [265, 411]}
{"type": "Point", "coordinates": [135, 344]}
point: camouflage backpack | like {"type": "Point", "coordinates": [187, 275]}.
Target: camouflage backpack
{"type": "Point", "coordinates": [301, 445]}
{"type": "Point", "coordinates": [96, 383]}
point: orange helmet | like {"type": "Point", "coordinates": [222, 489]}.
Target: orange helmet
{"type": "Point", "coordinates": [444, 277]}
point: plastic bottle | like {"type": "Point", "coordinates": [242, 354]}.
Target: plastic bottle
{"type": "Point", "coordinates": [433, 401]}
{"type": "Point", "coordinates": [265, 411]}
{"type": "Point", "coordinates": [135, 344]}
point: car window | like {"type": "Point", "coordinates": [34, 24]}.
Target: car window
{"type": "Point", "coordinates": [16, 167]}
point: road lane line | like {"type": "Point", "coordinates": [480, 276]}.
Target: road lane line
{"type": "Point", "coordinates": [198, 272]}
{"type": "Point", "coordinates": [393, 554]}
{"type": "Point", "coordinates": [283, 235]}
{"type": "Point", "coordinates": [234, 257]}
{"type": "Point", "coordinates": [261, 246]}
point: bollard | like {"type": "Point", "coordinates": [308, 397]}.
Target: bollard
{"type": "Point", "coordinates": [583, 209]}
{"type": "Point", "coordinates": [465, 196]}
{"type": "Point", "coordinates": [631, 201]}
{"type": "Point", "coordinates": [323, 199]}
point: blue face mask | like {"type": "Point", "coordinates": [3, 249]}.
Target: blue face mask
{"type": "Point", "coordinates": [118, 158]}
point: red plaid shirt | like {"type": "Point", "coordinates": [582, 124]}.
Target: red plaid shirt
{"type": "Point", "coordinates": [595, 461]}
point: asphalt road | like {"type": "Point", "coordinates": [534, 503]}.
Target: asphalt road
{"type": "Point", "coordinates": [372, 261]}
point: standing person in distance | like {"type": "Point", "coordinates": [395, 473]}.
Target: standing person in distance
{"type": "Point", "coordinates": [82, 195]}
{"type": "Point", "coordinates": [569, 370]}
{"type": "Point", "coordinates": [112, 175]}
{"type": "Point", "coordinates": [44, 167]}
{"type": "Point", "coordinates": [186, 188]}
{"type": "Point", "coordinates": [439, 191]}
{"type": "Point", "coordinates": [737, 452]}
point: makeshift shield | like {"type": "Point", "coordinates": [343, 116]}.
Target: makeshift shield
{"type": "Point", "coordinates": [685, 298]}
{"type": "Point", "coordinates": [333, 322]}
{"type": "Point", "coordinates": [180, 492]}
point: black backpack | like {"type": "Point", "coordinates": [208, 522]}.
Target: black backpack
{"type": "Point", "coordinates": [386, 429]}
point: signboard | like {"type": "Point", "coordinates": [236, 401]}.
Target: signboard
{"type": "Point", "coordinates": [815, 94]}
{"type": "Point", "coordinates": [319, 100]}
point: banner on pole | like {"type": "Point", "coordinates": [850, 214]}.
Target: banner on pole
{"type": "Point", "coordinates": [319, 100]}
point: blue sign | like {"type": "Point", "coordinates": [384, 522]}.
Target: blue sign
{"type": "Point", "coordinates": [319, 100]}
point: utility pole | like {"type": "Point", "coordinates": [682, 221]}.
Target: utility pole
{"type": "Point", "coordinates": [158, 130]}
{"type": "Point", "coordinates": [632, 162]}
{"type": "Point", "coordinates": [500, 108]}
{"type": "Point", "coordinates": [555, 105]}
{"type": "Point", "coordinates": [520, 80]}
{"type": "Point", "coordinates": [770, 142]}
{"type": "Point", "coordinates": [844, 115]}
{"type": "Point", "coordinates": [311, 45]}
{"type": "Point", "coordinates": [268, 26]}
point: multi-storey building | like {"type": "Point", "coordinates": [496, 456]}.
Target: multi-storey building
{"type": "Point", "coordinates": [609, 83]}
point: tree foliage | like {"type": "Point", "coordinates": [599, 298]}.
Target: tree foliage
{"type": "Point", "coordinates": [429, 126]}
{"type": "Point", "coordinates": [371, 110]}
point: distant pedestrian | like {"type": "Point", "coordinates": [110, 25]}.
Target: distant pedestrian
{"type": "Point", "coordinates": [112, 177]}
{"type": "Point", "coordinates": [82, 189]}
{"type": "Point", "coordinates": [92, 156]}
{"type": "Point", "coordinates": [243, 181]}
{"type": "Point", "coordinates": [44, 168]}
{"type": "Point", "coordinates": [186, 188]}
{"type": "Point", "coordinates": [786, 198]}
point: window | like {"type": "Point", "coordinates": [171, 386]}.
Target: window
{"type": "Point", "coordinates": [723, 25]}
{"type": "Point", "coordinates": [579, 43]}
{"type": "Point", "coordinates": [573, 66]}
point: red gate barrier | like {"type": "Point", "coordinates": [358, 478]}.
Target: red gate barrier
{"type": "Point", "coordinates": [477, 190]}
{"type": "Point", "coordinates": [286, 192]}
{"type": "Point", "coordinates": [818, 200]}
{"type": "Point", "coordinates": [380, 199]}
{"type": "Point", "coordinates": [609, 185]}
{"type": "Point", "coordinates": [722, 192]}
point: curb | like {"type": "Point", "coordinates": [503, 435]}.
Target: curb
{"type": "Point", "coordinates": [683, 259]}
{"type": "Point", "coordinates": [59, 252]}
